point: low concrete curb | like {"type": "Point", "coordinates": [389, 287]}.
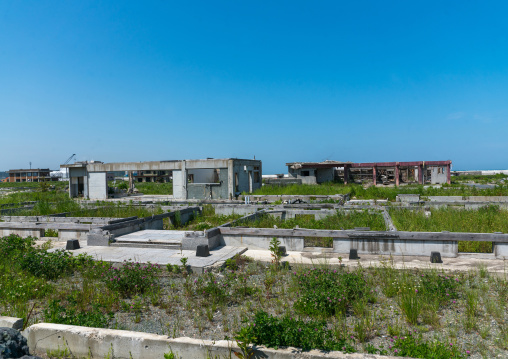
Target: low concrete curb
{"type": "Point", "coordinates": [11, 322]}
{"type": "Point", "coordinates": [85, 342]}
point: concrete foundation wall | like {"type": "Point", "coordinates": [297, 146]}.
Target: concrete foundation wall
{"type": "Point", "coordinates": [50, 219]}
{"type": "Point", "coordinates": [11, 322]}
{"type": "Point", "coordinates": [396, 247]}
{"type": "Point", "coordinates": [226, 210]}
{"type": "Point", "coordinates": [84, 342]}
{"type": "Point", "coordinates": [36, 233]}
{"type": "Point", "coordinates": [501, 250]}
{"type": "Point", "coordinates": [261, 242]}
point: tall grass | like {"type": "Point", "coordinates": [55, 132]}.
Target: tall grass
{"type": "Point", "coordinates": [479, 178]}
{"type": "Point", "coordinates": [378, 192]}
{"type": "Point", "coordinates": [101, 209]}
{"type": "Point", "coordinates": [483, 220]}
{"type": "Point", "coordinates": [154, 187]}
{"type": "Point", "coordinates": [340, 220]}
{"type": "Point", "coordinates": [20, 197]}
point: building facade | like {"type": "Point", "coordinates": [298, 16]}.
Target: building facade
{"type": "Point", "coordinates": [421, 172]}
{"type": "Point", "coordinates": [30, 175]}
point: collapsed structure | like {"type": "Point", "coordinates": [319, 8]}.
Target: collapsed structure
{"type": "Point", "coordinates": [432, 172]}
{"type": "Point", "coordinates": [192, 179]}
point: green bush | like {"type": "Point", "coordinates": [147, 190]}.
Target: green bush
{"type": "Point", "coordinates": [52, 265]}
{"type": "Point", "coordinates": [444, 287]}
{"type": "Point", "coordinates": [13, 245]}
{"type": "Point", "coordinates": [276, 332]}
{"type": "Point", "coordinates": [414, 347]}
{"type": "Point", "coordinates": [130, 278]}
{"type": "Point", "coordinates": [326, 292]}
{"type": "Point", "coordinates": [92, 317]}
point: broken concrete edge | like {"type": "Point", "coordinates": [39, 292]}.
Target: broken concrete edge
{"type": "Point", "coordinates": [11, 322]}
{"type": "Point", "coordinates": [83, 342]}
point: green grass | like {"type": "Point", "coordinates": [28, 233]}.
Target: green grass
{"type": "Point", "coordinates": [154, 188]}
{"type": "Point", "coordinates": [483, 220]}
{"type": "Point", "coordinates": [479, 178]}
{"type": "Point", "coordinates": [341, 220]}
{"type": "Point", "coordinates": [100, 209]}
{"type": "Point", "coordinates": [117, 210]}
{"type": "Point", "coordinates": [379, 192]}
{"type": "Point", "coordinates": [48, 196]}
{"type": "Point", "coordinates": [206, 220]}
{"type": "Point", "coordinates": [32, 184]}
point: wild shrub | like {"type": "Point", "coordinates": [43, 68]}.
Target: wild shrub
{"type": "Point", "coordinates": [13, 245]}
{"type": "Point", "coordinates": [92, 317]}
{"type": "Point", "coordinates": [212, 288]}
{"type": "Point", "coordinates": [325, 292]}
{"type": "Point", "coordinates": [52, 265]}
{"type": "Point", "coordinates": [130, 278]}
{"type": "Point", "coordinates": [17, 285]}
{"type": "Point", "coordinates": [275, 332]}
{"type": "Point", "coordinates": [444, 287]}
{"type": "Point", "coordinates": [415, 347]}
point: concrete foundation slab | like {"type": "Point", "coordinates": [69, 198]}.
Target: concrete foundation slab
{"type": "Point", "coordinates": [160, 256]}
{"type": "Point", "coordinates": [152, 236]}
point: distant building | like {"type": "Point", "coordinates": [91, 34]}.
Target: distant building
{"type": "Point", "coordinates": [31, 175]}
{"type": "Point", "coordinates": [422, 172]}
{"type": "Point", "coordinates": [192, 179]}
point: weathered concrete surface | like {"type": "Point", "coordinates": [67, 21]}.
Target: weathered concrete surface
{"type": "Point", "coordinates": [100, 343]}
{"type": "Point", "coordinates": [501, 250]}
{"type": "Point", "coordinates": [11, 322]}
{"type": "Point", "coordinates": [159, 256]}
{"type": "Point", "coordinates": [261, 242]}
{"type": "Point", "coordinates": [396, 247]}
{"type": "Point", "coordinates": [463, 262]}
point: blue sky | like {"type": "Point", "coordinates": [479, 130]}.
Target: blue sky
{"type": "Point", "coordinates": [283, 81]}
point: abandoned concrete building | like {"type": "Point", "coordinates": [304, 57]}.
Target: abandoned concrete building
{"type": "Point", "coordinates": [422, 172]}
{"type": "Point", "coordinates": [192, 179]}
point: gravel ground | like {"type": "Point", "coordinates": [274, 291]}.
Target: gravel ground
{"type": "Point", "coordinates": [177, 314]}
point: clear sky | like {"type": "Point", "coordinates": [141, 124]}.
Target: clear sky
{"type": "Point", "coordinates": [284, 81]}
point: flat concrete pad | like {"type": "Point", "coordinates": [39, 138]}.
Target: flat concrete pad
{"type": "Point", "coordinates": [159, 256]}
{"type": "Point", "coordinates": [152, 236]}
{"type": "Point", "coordinates": [464, 262]}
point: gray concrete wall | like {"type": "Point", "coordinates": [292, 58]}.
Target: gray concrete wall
{"type": "Point", "coordinates": [325, 175]}
{"type": "Point", "coordinates": [242, 168]}
{"type": "Point", "coordinates": [97, 186]}
{"type": "Point", "coordinates": [261, 242]}
{"type": "Point", "coordinates": [36, 233]}
{"type": "Point", "coordinates": [438, 175]}
{"type": "Point", "coordinates": [84, 342]}
{"type": "Point", "coordinates": [11, 322]}
{"type": "Point", "coordinates": [86, 220]}
{"type": "Point", "coordinates": [396, 247]}
{"type": "Point", "coordinates": [501, 250]}
{"type": "Point", "coordinates": [179, 187]}
{"type": "Point", "coordinates": [203, 175]}
{"type": "Point", "coordinates": [227, 209]}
